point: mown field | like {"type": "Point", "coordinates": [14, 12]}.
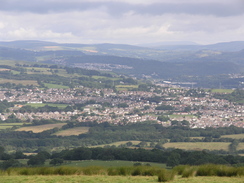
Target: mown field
{"type": "Point", "coordinates": [198, 145]}
{"type": "Point", "coordinates": [134, 142]}
{"type": "Point", "coordinates": [36, 105]}
{"type": "Point", "coordinates": [41, 128]}
{"type": "Point", "coordinates": [23, 82]}
{"type": "Point", "coordinates": [235, 136]}
{"type": "Point", "coordinates": [10, 125]}
{"type": "Point", "coordinates": [55, 86]}
{"type": "Point", "coordinates": [126, 87]}
{"type": "Point", "coordinates": [112, 179]}
{"type": "Point", "coordinates": [221, 90]}
{"type": "Point", "coordinates": [72, 131]}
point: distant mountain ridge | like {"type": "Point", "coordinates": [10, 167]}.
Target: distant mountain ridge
{"type": "Point", "coordinates": [222, 46]}
{"type": "Point", "coordinates": [195, 63]}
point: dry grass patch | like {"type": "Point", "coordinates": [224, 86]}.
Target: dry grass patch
{"type": "Point", "coordinates": [198, 145]}
{"type": "Point", "coordinates": [73, 131]}
{"type": "Point", "coordinates": [41, 128]}
{"type": "Point", "coordinates": [240, 146]}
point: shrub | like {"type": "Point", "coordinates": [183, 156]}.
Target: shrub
{"type": "Point", "coordinates": [166, 175]}
{"type": "Point", "coordinates": [94, 170]}
{"type": "Point", "coordinates": [180, 169]}
{"type": "Point", "coordinates": [189, 172]}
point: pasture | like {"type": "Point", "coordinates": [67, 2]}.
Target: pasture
{"type": "Point", "coordinates": [111, 179]}
{"type": "Point", "coordinates": [134, 142]}
{"type": "Point", "coordinates": [72, 131]}
{"type": "Point", "coordinates": [9, 125]}
{"type": "Point", "coordinates": [240, 146]}
{"type": "Point", "coordinates": [221, 90]}
{"type": "Point", "coordinates": [126, 87]}
{"type": "Point", "coordinates": [56, 86]}
{"type": "Point", "coordinates": [235, 136]}
{"type": "Point", "coordinates": [36, 105]}
{"type": "Point", "coordinates": [23, 82]}
{"type": "Point", "coordinates": [115, 163]}
{"type": "Point", "coordinates": [41, 128]}
{"type": "Point", "coordinates": [198, 145]}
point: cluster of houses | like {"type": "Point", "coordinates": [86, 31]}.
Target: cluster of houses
{"type": "Point", "coordinates": [200, 112]}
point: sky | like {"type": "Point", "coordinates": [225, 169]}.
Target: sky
{"type": "Point", "coordinates": [122, 21]}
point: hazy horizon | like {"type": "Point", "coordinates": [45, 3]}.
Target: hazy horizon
{"type": "Point", "coordinates": [122, 21]}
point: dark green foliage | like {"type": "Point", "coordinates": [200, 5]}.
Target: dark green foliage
{"type": "Point", "coordinates": [56, 161]}
{"type": "Point", "coordinates": [164, 107]}
{"type": "Point", "coordinates": [236, 96]}
{"type": "Point", "coordinates": [166, 175]}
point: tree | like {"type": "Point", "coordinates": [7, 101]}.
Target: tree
{"type": "Point", "coordinates": [56, 161]}
{"type": "Point", "coordinates": [36, 160]}
{"type": "Point", "coordinates": [173, 159]}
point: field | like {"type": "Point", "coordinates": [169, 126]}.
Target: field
{"type": "Point", "coordinates": [126, 87]}
{"type": "Point", "coordinates": [240, 146]}
{"type": "Point", "coordinates": [89, 163]}
{"type": "Point", "coordinates": [41, 128]}
{"type": "Point", "coordinates": [23, 82]}
{"type": "Point", "coordinates": [113, 179]}
{"type": "Point", "coordinates": [198, 145]}
{"type": "Point", "coordinates": [61, 106]}
{"type": "Point", "coordinates": [9, 125]}
{"type": "Point", "coordinates": [119, 143]}
{"type": "Point", "coordinates": [235, 136]}
{"type": "Point", "coordinates": [73, 131]}
{"type": "Point", "coordinates": [221, 90]}
{"type": "Point", "coordinates": [55, 86]}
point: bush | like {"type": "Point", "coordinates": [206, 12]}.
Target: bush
{"type": "Point", "coordinates": [166, 175]}
{"type": "Point", "coordinates": [189, 172]}
{"type": "Point", "coordinates": [94, 170]}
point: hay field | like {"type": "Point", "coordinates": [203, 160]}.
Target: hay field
{"type": "Point", "coordinates": [198, 145]}
{"type": "Point", "coordinates": [235, 136]}
{"type": "Point", "coordinates": [23, 82]}
{"type": "Point", "coordinates": [41, 128]}
{"type": "Point", "coordinates": [112, 179]}
{"type": "Point", "coordinates": [73, 131]}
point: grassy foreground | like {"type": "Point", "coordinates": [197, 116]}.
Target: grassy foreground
{"type": "Point", "coordinates": [112, 179]}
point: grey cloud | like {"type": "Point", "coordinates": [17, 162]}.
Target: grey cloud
{"type": "Point", "coordinates": [118, 8]}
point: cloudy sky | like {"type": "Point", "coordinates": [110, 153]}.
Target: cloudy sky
{"type": "Point", "coordinates": [122, 21]}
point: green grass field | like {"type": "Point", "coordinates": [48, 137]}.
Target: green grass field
{"type": "Point", "coordinates": [36, 105]}
{"type": "Point", "coordinates": [9, 125]}
{"type": "Point", "coordinates": [134, 142]}
{"type": "Point", "coordinates": [240, 146]}
{"type": "Point", "coordinates": [221, 90]}
{"type": "Point", "coordinates": [112, 179]}
{"type": "Point", "coordinates": [235, 136]}
{"type": "Point", "coordinates": [198, 145]}
{"type": "Point", "coordinates": [72, 131]}
{"type": "Point", "coordinates": [55, 86]}
{"type": "Point", "coordinates": [180, 116]}
{"type": "Point", "coordinates": [23, 82]}
{"type": "Point", "coordinates": [41, 128]}
{"type": "Point", "coordinates": [88, 163]}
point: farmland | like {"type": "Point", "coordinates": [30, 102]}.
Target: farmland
{"type": "Point", "coordinates": [235, 136]}
{"type": "Point", "coordinates": [36, 105]}
{"type": "Point", "coordinates": [198, 145]}
{"type": "Point", "coordinates": [23, 82]}
{"type": "Point", "coordinates": [41, 128]}
{"type": "Point", "coordinates": [73, 131]}
{"type": "Point", "coordinates": [9, 125]}
{"type": "Point", "coordinates": [119, 143]}
{"type": "Point", "coordinates": [105, 179]}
